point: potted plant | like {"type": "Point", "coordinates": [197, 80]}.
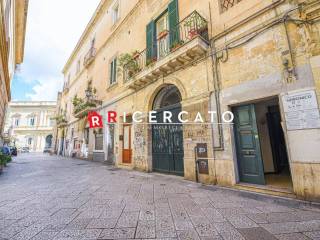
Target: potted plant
{"type": "Point", "coordinates": [129, 63]}
{"type": "Point", "coordinates": [150, 61]}
{"type": "Point", "coordinates": [135, 54]}
{"type": "Point", "coordinates": [176, 45]}
{"type": "Point", "coordinates": [3, 161]}
{"type": "Point", "coordinates": [196, 25]}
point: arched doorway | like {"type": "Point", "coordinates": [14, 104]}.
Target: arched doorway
{"type": "Point", "coordinates": [167, 139]}
{"type": "Point", "coordinates": [48, 141]}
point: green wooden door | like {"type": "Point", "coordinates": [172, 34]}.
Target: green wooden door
{"type": "Point", "coordinates": [248, 145]}
{"type": "Point", "coordinates": [167, 144]}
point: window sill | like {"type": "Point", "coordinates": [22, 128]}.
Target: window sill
{"type": "Point", "coordinates": [112, 86]}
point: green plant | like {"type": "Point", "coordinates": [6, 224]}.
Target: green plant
{"type": "Point", "coordinates": [3, 160]}
{"type": "Point", "coordinates": [76, 101]}
{"type": "Point", "coordinates": [150, 61]}
{"type": "Point", "coordinates": [176, 44]}
{"type": "Point", "coordinates": [128, 61]}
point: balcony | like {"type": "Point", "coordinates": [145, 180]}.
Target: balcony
{"type": "Point", "coordinates": [172, 51]}
{"type": "Point", "coordinates": [89, 57]}
{"type": "Point", "coordinates": [83, 106]}
{"type": "Point", "coordinates": [61, 121]}
{"type": "Point", "coordinates": [83, 109]}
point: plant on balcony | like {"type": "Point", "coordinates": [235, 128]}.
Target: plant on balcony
{"type": "Point", "coordinates": [129, 62]}
{"type": "Point", "coordinates": [175, 45]}
{"type": "Point", "coordinates": [151, 61]}
{"type": "Point", "coordinates": [80, 105]}
{"type": "Point", "coordinates": [196, 25]}
{"type": "Point", "coordinates": [60, 119]}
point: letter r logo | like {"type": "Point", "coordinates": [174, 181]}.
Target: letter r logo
{"type": "Point", "coordinates": [95, 120]}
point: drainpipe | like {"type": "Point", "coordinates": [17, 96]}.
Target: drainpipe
{"type": "Point", "coordinates": [216, 83]}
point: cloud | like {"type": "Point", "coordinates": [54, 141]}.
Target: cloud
{"type": "Point", "coordinates": [53, 29]}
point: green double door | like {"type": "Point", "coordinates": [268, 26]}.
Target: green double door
{"type": "Point", "coordinates": [250, 164]}
{"type": "Point", "coordinates": [167, 143]}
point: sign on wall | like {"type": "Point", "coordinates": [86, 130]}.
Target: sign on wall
{"type": "Point", "coordinates": [301, 110]}
{"type": "Point", "coordinates": [202, 158]}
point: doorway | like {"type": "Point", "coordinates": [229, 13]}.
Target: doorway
{"type": "Point", "coordinates": [167, 139]}
{"type": "Point", "coordinates": [260, 145]}
{"type": "Point", "coordinates": [126, 147]}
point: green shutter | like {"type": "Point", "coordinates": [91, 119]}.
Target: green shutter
{"type": "Point", "coordinates": [151, 40]}
{"type": "Point", "coordinates": [115, 70]}
{"type": "Point", "coordinates": [173, 12]}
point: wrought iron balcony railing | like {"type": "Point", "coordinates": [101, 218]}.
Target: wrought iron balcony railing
{"type": "Point", "coordinates": [89, 57]}
{"type": "Point", "coordinates": [167, 42]}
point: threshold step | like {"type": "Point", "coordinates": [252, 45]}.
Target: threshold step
{"type": "Point", "coordinates": [265, 190]}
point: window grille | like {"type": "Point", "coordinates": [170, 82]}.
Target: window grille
{"type": "Point", "coordinates": [227, 4]}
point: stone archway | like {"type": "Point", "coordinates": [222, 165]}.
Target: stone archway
{"type": "Point", "coordinates": [167, 139]}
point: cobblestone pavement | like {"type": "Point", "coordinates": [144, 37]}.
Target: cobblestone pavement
{"type": "Point", "coordinates": [44, 197]}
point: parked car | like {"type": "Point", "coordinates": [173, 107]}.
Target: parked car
{"type": "Point", "coordinates": [13, 151]}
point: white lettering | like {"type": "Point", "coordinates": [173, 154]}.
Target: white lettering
{"type": "Point", "coordinates": [134, 117]}
{"type": "Point", "coordinates": [227, 120]}
{"type": "Point", "coordinates": [180, 117]}
{"type": "Point", "coordinates": [167, 115]}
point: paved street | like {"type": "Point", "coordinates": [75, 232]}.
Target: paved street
{"type": "Point", "coordinates": [44, 197]}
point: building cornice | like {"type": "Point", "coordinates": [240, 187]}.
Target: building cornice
{"type": "Point", "coordinates": [21, 13]}
{"type": "Point", "coordinates": [96, 16]}
{"type": "Point", "coordinates": [4, 52]}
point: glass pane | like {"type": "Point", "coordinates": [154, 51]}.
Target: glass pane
{"type": "Point", "coordinates": [126, 137]}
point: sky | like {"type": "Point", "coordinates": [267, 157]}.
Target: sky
{"type": "Point", "coordinates": [53, 30]}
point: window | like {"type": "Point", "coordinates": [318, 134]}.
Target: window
{"type": "Point", "coordinates": [29, 141]}
{"type": "Point", "coordinates": [78, 66]}
{"type": "Point", "coordinates": [162, 28]}
{"type": "Point", "coordinates": [113, 71]}
{"type": "Point", "coordinates": [227, 4]}
{"type": "Point", "coordinates": [115, 12]}
{"type": "Point", "coordinates": [98, 142]}
{"type": "Point", "coordinates": [31, 121]}
{"type": "Point", "coordinates": [16, 122]}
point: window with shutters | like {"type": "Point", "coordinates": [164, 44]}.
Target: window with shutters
{"type": "Point", "coordinates": [115, 12]}
{"type": "Point", "coordinates": [113, 71]}
{"type": "Point", "coordinates": [225, 5]}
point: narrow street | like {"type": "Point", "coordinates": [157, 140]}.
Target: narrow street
{"type": "Point", "coordinates": [48, 197]}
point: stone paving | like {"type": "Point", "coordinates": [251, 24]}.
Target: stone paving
{"type": "Point", "coordinates": [48, 197]}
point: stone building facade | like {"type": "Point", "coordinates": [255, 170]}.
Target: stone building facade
{"type": "Point", "coordinates": [29, 125]}
{"type": "Point", "coordinates": [13, 17]}
{"type": "Point", "coordinates": [257, 59]}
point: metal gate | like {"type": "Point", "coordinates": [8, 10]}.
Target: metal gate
{"type": "Point", "coordinates": [167, 143]}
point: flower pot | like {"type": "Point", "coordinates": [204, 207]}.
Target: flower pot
{"type": "Point", "coordinates": [176, 47]}
{"type": "Point", "coordinates": [163, 34]}
{"type": "Point", "coordinates": [193, 33]}
{"type": "Point", "coordinates": [135, 56]}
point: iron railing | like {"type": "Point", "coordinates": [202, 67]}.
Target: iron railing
{"type": "Point", "coordinates": [225, 5]}
{"type": "Point", "coordinates": [89, 57]}
{"type": "Point", "coordinates": [194, 25]}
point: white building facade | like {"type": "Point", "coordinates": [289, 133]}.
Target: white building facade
{"type": "Point", "coordinates": [29, 124]}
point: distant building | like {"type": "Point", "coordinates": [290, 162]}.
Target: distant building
{"type": "Point", "coordinates": [30, 124]}
{"type": "Point", "coordinates": [13, 18]}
